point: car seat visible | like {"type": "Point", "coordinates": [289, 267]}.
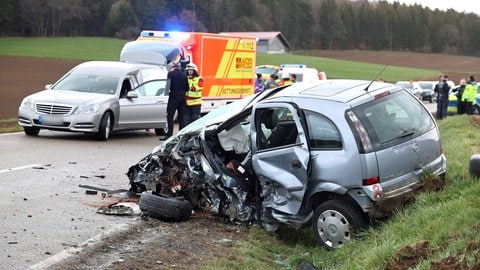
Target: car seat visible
{"type": "Point", "coordinates": [269, 121]}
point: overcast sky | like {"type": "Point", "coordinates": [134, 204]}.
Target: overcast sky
{"type": "Point", "coordinates": [458, 5]}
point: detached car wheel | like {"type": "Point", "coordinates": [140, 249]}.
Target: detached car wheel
{"type": "Point", "coordinates": [31, 131]}
{"type": "Point", "coordinates": [169, 209]}
{"type": "Point", "coordinates": [335, 222]}
{"type": "Point", "coordinates": [105, 127]}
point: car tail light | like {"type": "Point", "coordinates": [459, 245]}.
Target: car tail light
{"type": "Point", "coordinates": [366, 144]}
{"type": "Point", "coordinates": [382, 95]}
{"type": "Point", "coordinates": [370, 181]}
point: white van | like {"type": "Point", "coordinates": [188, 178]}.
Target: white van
{"type": "Point", "coordinates": [303, 73]}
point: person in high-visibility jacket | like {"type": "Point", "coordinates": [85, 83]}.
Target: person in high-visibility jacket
{"type": "Point", "coordinates": [194, 94]}
{"type": "Point", "coordinates": [469, 94]}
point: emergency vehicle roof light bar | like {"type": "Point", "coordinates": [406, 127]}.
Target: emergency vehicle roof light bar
{"type": "Point", "coordinates": [293, 65]}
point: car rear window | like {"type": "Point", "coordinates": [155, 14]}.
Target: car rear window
{"type": "Point", "coordinates": [393, 119]}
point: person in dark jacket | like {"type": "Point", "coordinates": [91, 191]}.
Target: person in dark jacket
{"type": "Point", "coordinates": [441, 89]}
{"type": "Point", "coordinates": [459, 92]}
{"type": "Point", "coordinates": [176, 98]}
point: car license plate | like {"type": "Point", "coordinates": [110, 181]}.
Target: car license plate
{"type": "Point", "coordinates": [51, 120]}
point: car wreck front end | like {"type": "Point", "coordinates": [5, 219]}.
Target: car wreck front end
{"type": "Point", "coordinates": [187, 169]}
{"type": "Point", "coordinates": [206, 163]}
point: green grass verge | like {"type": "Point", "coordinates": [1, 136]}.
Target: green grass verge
{"type": "Point", "coordinates": [448, 220]}
{"type": "Point", "coordinates": [77, 48]}
{"type": "Point", "coordinates": [9, 125]}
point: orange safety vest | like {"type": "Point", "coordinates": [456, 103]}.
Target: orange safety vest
{"type": "Point", "coordinates": [194, 93]}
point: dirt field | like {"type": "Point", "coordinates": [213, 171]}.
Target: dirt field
{"type": "Point", "coordinates": [21, 76]}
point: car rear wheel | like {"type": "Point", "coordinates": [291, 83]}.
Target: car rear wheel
{"type": "Point", "coordinates": [335, 222]}
{"type": "Point", "coordinates": [168, 209]}
{"type": "Point", "coordinates": [31, 131]}
{"type": "Point", "coordinates": [105, 127]}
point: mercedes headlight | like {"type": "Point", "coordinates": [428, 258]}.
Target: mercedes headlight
{"type": "Point", "coordinates": [28, 104]}
{"type": "Point", "coordinates": [88, 108]}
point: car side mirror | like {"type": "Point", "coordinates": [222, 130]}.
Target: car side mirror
{"type": "Point", "coordinates": [132, 94]}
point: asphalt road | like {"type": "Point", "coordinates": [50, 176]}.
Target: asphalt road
{"type": "Point", "coordinates": [432, 107]}
{"type": "Point", "coordinates": [44, 210]}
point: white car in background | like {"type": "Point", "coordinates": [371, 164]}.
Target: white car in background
{"type": "Point", "coordinates": [303, 73]}
{"type": "Point", "coordinates": [100, 97]}
{"type": "Point", "coordinates": [427, 90]}
{"type": "Point", "coordinates": [412, 86]}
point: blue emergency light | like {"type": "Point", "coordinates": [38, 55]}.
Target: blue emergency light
{"type": "Point", "coordinates": [293, 66]}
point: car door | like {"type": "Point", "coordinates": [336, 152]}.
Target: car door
{"type": "Point", "coordinates": [280, 155]}
{"type": "Point", "coordinates": [144, 106]}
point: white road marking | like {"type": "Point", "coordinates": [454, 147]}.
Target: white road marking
{"type": "Point", "coordinates": [21, 168]}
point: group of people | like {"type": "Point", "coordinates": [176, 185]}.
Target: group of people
{"type": "Point", "coordinates": [274, 81]}
{"type": "Point", "coordinates": [466, 95]}
{"type": "Point", "coordinates": [184, 98]}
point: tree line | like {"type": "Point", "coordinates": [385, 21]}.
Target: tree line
{"type": "Point", "coordinates": [306, 24]}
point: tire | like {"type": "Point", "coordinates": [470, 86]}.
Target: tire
{"type": "Point", "coordinates": [335, 222]}
{"type": "Point", "coordinates": [161, 131]}
{"type": "Point", "coordinates": [168, 209]}
{"type": "Point", "coordinates": [31, 131]}
{"type": "Point", "coordinates": [474, 166]}
{"type": "Point", "coordinates": [105, 128]}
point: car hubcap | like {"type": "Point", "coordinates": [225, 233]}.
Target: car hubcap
{"type": "Point", "coordinates": [333, 228]}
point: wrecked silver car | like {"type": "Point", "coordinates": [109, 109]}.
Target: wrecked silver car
{"type": "Point", "coordinates": [332, 154]}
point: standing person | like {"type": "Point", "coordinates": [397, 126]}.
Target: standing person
{"type": "Point", "coordinates": [441, 88]}
{"type": "Point", "coordinates": [469, 94]}
{"type": "Point", "coordinates": [176, 98]}
{"type": "Point", "coordinates": [459, 90]}
{"type": "Point", "coordinates": [272, 82]}
{"type": "Point", "coordinates": [259, 83]}
{"type": "Point", "coordinates": [194, 94]}
{"type": "Point", "coordinates": [293, 78]}
{"type": "Point", "coordinates": [286, 79]}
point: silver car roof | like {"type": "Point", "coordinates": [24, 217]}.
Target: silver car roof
{"type": "Point", "coordinates": [341, 90]}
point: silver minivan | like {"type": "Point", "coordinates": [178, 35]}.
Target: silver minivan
{"type": "Point", "coordinates": [333, 154]}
